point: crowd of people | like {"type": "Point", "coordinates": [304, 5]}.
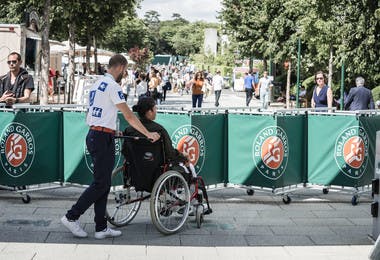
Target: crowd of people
{"type": "Point", "coordinates": [161, 79]}
{"type": "Point", "coordinates": [16, 86]}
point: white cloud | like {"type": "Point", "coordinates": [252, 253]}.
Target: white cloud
{"type": "Point", "coordinates": [191, 10]}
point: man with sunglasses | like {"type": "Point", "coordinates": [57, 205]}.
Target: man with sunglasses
{"type": "Point", "coordinates": [17, 85]}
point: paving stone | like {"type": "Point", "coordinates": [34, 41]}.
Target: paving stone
{"type": "Point", "coordinates": [271, 222]}
{"type": "Point", "coordinates": [352, 230]}
{"type": "Point", "coordinates": [340, 240]}
{"type": "Point", "coordinates": [208, 240]}
{"type": "Point", "coordinates": [143, 239]}
{"type": "Point", "coordinates": [278, 240]}
{"type": "Point", "coordinates": [24, 236]}
{"type": "Point", "coordinates": [307, 206]}
{"type": "Point", "coordinates": [285, 213]}
{"type": "Point", "coordinates": [68, 238]}
{"type": "Point", "coordinates": [340, 213]}
{"type": "Point", "coordinates": [18, 256]}
{"type": "Point", "coordinates": [301, 230]}
{"type": "Point", "coordinates": [322, 221]}
{"type": "Point", "coordinates": [361, 221]}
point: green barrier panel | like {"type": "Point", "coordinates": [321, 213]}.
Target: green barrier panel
{"type": "Point", "coordinates": [209, 132]}
{"type": "Point", "coordinates": [30, 148]}
{"type": "Point", "coordinates": [78, 167]}
{"type": "Point", "coordinates": [341, 149]}
{"type": "Point", "coordinates": [266, 151]}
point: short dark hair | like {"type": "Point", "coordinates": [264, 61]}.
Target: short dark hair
{"type": "Point", "coordinates": [15, 53]}
{"type": "Point", "coordinates": [144, 105]}
{"type": "Point", "coordinates": [117, 60]}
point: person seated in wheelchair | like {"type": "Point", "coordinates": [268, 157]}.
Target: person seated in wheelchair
{"type": "Point", "coordinates": [157, 157]}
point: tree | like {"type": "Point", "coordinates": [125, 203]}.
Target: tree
{"type": "Point", "coordinates": [140, 56]}
{"type": "Point", "coordinates": [152, 21]}
{"type": "Point", "coordinates": [126, 34]}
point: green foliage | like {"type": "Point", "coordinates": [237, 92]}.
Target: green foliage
{"type": "Point", "coordinates": [376, 93]}
{"type": "Point", "coordinates": [126, 34]}
{"type": "Point", "coordinates": [347, 29]}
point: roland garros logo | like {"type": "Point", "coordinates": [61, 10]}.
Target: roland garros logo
{"type": "Point", "coordinates": [270, 152]}
{"type": "Point", "coordinates": [351, 151]}
{"type": "Point", "coordinates": [88, 159]}
{"type": "Point", "coordinates": [17, 149]}
{"type": "Point", "coordinates": [190, 141]}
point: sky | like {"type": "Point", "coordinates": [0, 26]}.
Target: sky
{"type": "Point", "coordinates": [191, 10]}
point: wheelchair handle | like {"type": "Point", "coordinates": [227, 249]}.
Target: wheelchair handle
{"type": "Point", "coordinates": [131, 137]}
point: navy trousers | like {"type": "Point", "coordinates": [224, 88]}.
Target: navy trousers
{"type": "Point", "coordinates": [101, 147]}
{"type": "Point", "coordinates": [197, 99]}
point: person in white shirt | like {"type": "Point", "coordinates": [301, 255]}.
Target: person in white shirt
{"type": "Point", "coordinates": [142, 86]}
{"type": "Point", "coordinates": [217, 83]}
{"type": "Point", "coordinates": [105, 100]}
{"type": "Point", "coordinates": [264, 88]}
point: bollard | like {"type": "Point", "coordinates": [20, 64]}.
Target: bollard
{"type": "Point", "coordinates": [375, 252]}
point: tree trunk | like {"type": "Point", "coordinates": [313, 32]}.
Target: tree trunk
{"type": "Point", "coordinates": [88, 52]}
{"type": "Point", "coordinates": [265, 64]}
{"type": "Point", "coordinates": [329, 80]}
{"type": "Point", "coordinates": [71, 70]}
{"type": "Point", "coordinates": [88, 55]}
{"type": "Point", "coordinates": [288, 85]}
{"type": "Point", "coordinates": [95, 57]}
{"type": "Point", "coordinates": [45, 54]}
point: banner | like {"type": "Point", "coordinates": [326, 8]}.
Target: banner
{"type": "Point", "coordinates": [341, 149]}
{"type": "Point", "coordinates": [78, 166]}
{"type": "Point", "coordinates": [266, 150]}
{"type": "Point", "coordinates": [209, 139]}
{"type": "Point", "coordinates": [30, 148]}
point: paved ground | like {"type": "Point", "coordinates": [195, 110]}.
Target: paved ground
{"type": "Point", "coordinates": [313, 226]}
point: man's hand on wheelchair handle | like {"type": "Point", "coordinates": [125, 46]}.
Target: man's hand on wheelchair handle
{"type": "Point", "coordinates": [153, 136]}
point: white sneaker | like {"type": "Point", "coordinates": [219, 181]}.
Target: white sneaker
{"type": "Point", "coordinates": [107, 233]}
{"type": "Point", "coordinates": [74, 227]}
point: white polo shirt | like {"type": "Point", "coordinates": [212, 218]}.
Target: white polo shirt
{"type": "Point", "coordinates": [105, 94]}
{"type": "Point", "coordinates": [217, 82]}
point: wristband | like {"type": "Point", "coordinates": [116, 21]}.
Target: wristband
{"type": "Point", "coordinates": [16, 100]}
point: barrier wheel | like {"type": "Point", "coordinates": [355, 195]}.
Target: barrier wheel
{"type": "Point", "coordinates": [286, 199]}
{"type": "Point", "coordinates": [26, 199]}
{"type": "Point", "coordinates": [199, 215]}
{"type": "Point", "coordinates": [170, 202]}
{"type": "Point", "coordinates": [354, 200]}
{"type": "Point", "coordinates": [250, 192]}
{"type": "Point", "coordinates": [325, 190]}
{"type": "Point", "coordinates": [123, 200]}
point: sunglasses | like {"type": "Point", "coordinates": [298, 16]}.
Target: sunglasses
{"type": "Point", "coordinates": [12, 62]}
{"type": "Point", "coordinates": [319, 78]}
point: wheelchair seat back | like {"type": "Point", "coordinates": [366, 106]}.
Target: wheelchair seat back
{"type": "Point", "coordinates": [144, 162]}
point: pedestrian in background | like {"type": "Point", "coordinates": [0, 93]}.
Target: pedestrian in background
{"type": "Point", "coordinates": [265, 89]}
{"type": "Point", "coordinates": [249, 86]}
{"type": "Point", "coordinates": [105, 100]}
{"type": "Point", "coordinates": [217, 84]}
{"type": "Point", "coordinates": [322, 94]}
{"type": "Point", "coordinates": [359, 97]}
{"type": "Point", "coordinates": [197, 84]}
{"type": "Point", "coordinates": [17, 85]}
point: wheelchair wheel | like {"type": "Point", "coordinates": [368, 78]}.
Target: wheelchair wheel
{"type": "Point", "coordinates": [122, 206]}
{"type": "Point", "coordinates": [170, 202]}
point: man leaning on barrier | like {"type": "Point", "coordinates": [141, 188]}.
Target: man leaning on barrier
{"type": "Point", "coordinates": [106, 98]}
{"type": "Point", "coordinates": [17, 85]}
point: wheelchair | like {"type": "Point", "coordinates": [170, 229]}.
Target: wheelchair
{"type": "Point", "coordinates": [145, 176]}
